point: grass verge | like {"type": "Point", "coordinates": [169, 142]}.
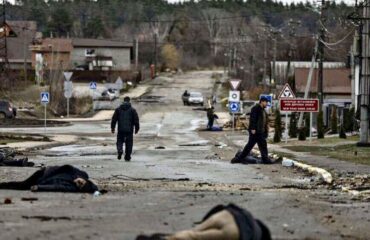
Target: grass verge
{"type": "Point", "coordinates": [348, 152]}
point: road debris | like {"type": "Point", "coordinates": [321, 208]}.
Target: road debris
{"type": "Point", "coordinates": [8, 201]}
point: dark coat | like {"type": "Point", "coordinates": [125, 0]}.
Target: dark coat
{"type": "Point", "coordinates": [249, 228]}
{"type": "Point", "coordinates": [127, 118]}
{"type": "Point", "coordinates": [256, 120]}
{"type": "Point", "coordinates": [61, 179]}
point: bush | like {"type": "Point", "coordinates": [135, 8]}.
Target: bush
{"type": "Point", "coordinates": [334, 121]}
{"type": "Point", "coordinates": [171, 56]}
{"type": "Point", "coordinates": [293, 126]}
{"type": "Point", "coordinates": [278, 131]}
{"type": "Point", "coordinates": [302, 134]}
{"type": "Point", "coordinates": [348, 119]}
{"type": "Point", "coordinates": [320, 125]}
{"type": "Point", "coordinates": [307, 124]}
{"type": "Point", "coordinates": [342, 133]}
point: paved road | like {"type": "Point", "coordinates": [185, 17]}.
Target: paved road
{"type": "Point", "coordinates": [173, 180]}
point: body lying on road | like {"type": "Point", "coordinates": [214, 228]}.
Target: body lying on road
{"type": "Point", "coordinates": [222, 222]}
{"type": "Point", "coordinates": [7, 158]}
{"type": "Point", "coordinates": [64, 178]}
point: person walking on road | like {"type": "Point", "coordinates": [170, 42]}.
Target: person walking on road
{"type": "Point", "coordinates": [258, 133]}
{"type": "Point", "coordinates": [128, 123]}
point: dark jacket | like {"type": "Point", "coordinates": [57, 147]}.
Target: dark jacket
{"type": "Point", "coordinates": [127, 118]}
{"type": "Point", "coordinates": [249, 228]}
{"type": "Point", "coordinates": [61, 179]}
{"type": "Point", "coordinates": [256, 120]}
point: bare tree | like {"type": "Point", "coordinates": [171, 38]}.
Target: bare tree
{"type": "Point", "coordinates": [213, 19]}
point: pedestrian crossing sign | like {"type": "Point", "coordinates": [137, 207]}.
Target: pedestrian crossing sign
{"type": "Point", "coordinates": [45, 97]}
{"type": "Point", "coordinates": [93, 85]}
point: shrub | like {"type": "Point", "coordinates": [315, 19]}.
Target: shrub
{"type": "Point", "coordinates": [320, 125]}
{"type": "Point", "coordinates": [334, 121]}
{"type": "Point", "coordinates": [278, 131]}
{"type": "Point", "coordinates": [302, 134]}
{"type": "Point", "coordinates": [171, 56]}
{"type": "Point", "coordinates": [293, 126]}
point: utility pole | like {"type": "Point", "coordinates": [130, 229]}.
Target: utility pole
{"type": "Point", "coordinates": [273, 74]}
{"type": "Point", "coordinates": [321, 54]}
{"type": "Point", "coordinates": [155, 54]}
{"type": "Point", "coordinates": [292, 25]}
{"type": "Point", "coordinates": [136, 53]}
{"type": "Point", "coordinates": [25, 55]}
{"type": "Point", "coordinates": [4, 64]}
{"type": "Point", "coordinates": [365, 75]}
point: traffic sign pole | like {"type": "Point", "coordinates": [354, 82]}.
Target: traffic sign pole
{"type": "Point", "coordinates": [286, 127]}
{"type": "Point", "coordinates": [311, 118]}
{"type": "Point", "coordinates": [67, 107]}
{"type": "Point", "coordinates": [45, 119]}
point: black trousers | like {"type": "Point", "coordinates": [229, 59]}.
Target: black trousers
{"type": "Point", "coordinates": [13, 163]}
{"type": "Point", "coordinates": [26, 184]}
{"type": "Point", "coordinates": [210, 123]}
{"type": "Point", "coordinates": [128, 140]}
{"type": "Point", "coordinates": [260, 139]}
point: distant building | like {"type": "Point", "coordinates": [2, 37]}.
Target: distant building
{"type": "Point", "coordinates": [101, 54]}
{"type": "Point", "coordinates": [282, 68]}
{"type": "Point", "coordinates": [20, 34]}
{"type": "Point", "coordinates": [54, 53]}
{"type": "Point", "coordinates": [336, 88]}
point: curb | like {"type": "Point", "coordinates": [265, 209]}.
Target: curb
{"type": "Point", "coordinates": [324, 175]}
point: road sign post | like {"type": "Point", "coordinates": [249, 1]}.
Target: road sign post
{"type": "Point", "coordinates": [234, 107]}
{"type": "Point", "coordinates": [45, 98]}
{"type": "Point", "coordinates": [286, 93]}
{"type": "Point", "coordinates": [300, 105]}
{"type": "Point", "coordinates": [93, 86]}
{"type": "Point", "coordinates": [68, 88]}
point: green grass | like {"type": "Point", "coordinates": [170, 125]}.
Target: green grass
{"type": "Point", "coordinates": [348, 152]}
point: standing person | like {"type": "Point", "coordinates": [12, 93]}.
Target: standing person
{"type": "Point", "coordinates": [258, 132]}
{"type": "Point", "coordinates": [128, 123]}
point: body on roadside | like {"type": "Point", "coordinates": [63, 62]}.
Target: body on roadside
{"type": "Point", "coordinates": [64, 178]}
{"type": "Point", "coordinates": [128, 124]}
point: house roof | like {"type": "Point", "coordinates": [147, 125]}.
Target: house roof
{"type": "Point", "coordinates": [336, 80]}
{"type": "Point", "coordinates": [17, 47]}
{"type": "Point", "coordinates": [89, 42]}
{"type": "Point", "coordinates": [57, 44]}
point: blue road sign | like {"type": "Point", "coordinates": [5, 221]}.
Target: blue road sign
{"type": "Point", "coordinates": [269, 99]}
{"type": "Point", "coordinates": [93, 85]}
{"type": "Point", "coordinates": [234, 107]}
{"type": "Point", "coordinates": [45, 98]}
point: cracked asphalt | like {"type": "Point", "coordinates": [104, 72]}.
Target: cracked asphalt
{"type": "Point", "coordinates": [176, 175]}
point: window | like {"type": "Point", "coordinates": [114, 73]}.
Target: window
{"type": "Point", "coordinates": [90, 52]}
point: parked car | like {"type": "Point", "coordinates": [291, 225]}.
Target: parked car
{"type": "Point", "coordinates": [247, 106]}
{"type": "Point", "coordinates": [6, 110]}
{"type": "Point", "coordinates": [110, 94]}
{"type": "Point", "coordinates": [196, 98]}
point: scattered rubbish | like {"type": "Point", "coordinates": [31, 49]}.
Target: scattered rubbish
{"type": "Point", "coordinates": [160, 147]}
{"type": "Point", "coordinates": [213, 157]}
{"type": "Point", "coordinates": [29, 199]}
{"type": "Point", "coordinates": [8, 201]}
{"type": "Point", "coordinates": [287, 163]}
{"type": "Point", "coordinates": [97, 194]}
{"type": "Point", "coordinates": [193, 145]}
{"type": "Point", "coordinates": [46, 218]}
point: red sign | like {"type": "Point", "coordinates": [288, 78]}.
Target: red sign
{"type": "Point", "coordinates": [299, 105]}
